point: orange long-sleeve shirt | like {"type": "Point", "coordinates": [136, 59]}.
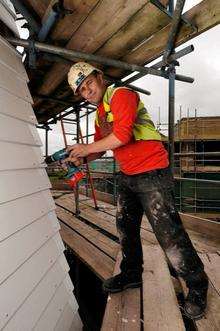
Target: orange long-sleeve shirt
{"type": "Point", "coordinates": [134, 157]}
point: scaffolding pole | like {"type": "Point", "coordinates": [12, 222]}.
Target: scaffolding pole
{"type": "Point", "coordinates": [95, 58]}
{"type": "Point", "coordinates": [77, 210]}
{"type": "Point", "coordinates": [176, 14]}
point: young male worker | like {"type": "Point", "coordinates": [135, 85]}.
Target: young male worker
{"type": "Point", "coordinates": [145, 185]}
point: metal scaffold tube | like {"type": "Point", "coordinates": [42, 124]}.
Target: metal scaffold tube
{"type": "Point", "coordinates": [174, 27]}
{"type": "Point", "coordinates": [176, 14]}
{"type": "Point", "coordinates": [98, 59]}
{"type": "Point", "coordinates": [171, 114]}
{"type": "Point", "coordinates": [77, 210]}
{"type": "Point", "coordinates": [173, 57]}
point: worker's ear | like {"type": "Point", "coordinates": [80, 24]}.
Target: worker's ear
{"type": "Point", "coordinates": [100, 78]}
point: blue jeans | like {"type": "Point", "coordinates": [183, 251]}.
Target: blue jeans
{"type": "Point", "coordinates": [152, 193]}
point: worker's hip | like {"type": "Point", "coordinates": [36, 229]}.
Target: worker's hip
{"type": "Point", "coordinates": [158, 179]}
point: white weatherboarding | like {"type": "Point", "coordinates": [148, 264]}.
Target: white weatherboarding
{"type": "Point", "coordinates": [36, 292]}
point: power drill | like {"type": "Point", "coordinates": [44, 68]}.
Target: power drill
{"type": "Point", "coordinates": [74, 174]}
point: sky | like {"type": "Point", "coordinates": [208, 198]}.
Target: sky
{"type": "Point", "coordinates": [203, 95]}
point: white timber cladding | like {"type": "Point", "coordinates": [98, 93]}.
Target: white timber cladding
{"type": "Point", "coordinates": [7, 16]}
{"type": "Point", "coordinates": [36, 292]}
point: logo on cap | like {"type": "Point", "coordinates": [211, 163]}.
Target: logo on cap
{"type": "Point", "coordinates": [80, 79]}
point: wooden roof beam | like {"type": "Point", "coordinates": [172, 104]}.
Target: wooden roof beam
{"type": "Point", "coordinates": [205, 16]}
{"type": "Point", "coordinates": [94, 32]}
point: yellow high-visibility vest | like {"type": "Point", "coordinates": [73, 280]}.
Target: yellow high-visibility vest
{"type": "Point", "coordinates": [143, 128]}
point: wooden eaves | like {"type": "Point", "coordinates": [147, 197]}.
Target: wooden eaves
{"type": "Point", "coordinates": [134, 32]}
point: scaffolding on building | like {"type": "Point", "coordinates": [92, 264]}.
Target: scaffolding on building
{"type": "Point", "coordinates": [165, 68]}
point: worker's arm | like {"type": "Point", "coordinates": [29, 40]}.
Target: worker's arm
{"type": "Point", "coordinates": [78, 161]}
{"type": "Point", "coordinates": [95, 148]}
{"type": "Point", "coordinates": [124, 109]}
{"type": "Point", "coordinates": [94, 156]}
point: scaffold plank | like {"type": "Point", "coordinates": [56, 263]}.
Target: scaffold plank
{"type": "Point", "coordinates": [211, 320]}
{"type": "Point", "coordinates": [100, 263]}
{"type": "Point", "coordinates": [123, 309]}
{"type": "Point", "coordinates": [138, 28]}
{"type": "Point", "coordinates": [92, 34]}
{"type": "Point", "coordinates": [103, 220]}
{"type": "Point", "coordinates": [160, 304]}
{"type": "Point", "coordinates": [205, 15]}
{"type": "Point", "coordinates": [87, 213]}
{"type": "Point", "coordinates": [105, 244]}
{"type": "Point", "coordinates": [202, 240]}
{"type": "Point", "coordinates": [212, 317]}
{"type": "Point", "coordinates": [201, 225]}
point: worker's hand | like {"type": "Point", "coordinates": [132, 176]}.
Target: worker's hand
{"type": "Point", "coordinates": [77, 151]}
{"type": "Point", "coordinates": [77, 161]}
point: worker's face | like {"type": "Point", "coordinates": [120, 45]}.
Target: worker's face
{"type": "Point", "coordinates": [93, 88]}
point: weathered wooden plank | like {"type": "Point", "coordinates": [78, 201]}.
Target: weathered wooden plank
{"type": "Point", "coordinates": [195, 223]}
{"type": "Point", "coordinates": [211, 320]}
{"type": "Point", "coordinates": [203, 233]}
{"type": "Point", "coordinates": [203, 243]}
{"type": "Point", "coordinates": [88, 214]}
{"type": "Point", "coordinates": [44, 258]}
{"type": "Point", "coordinates": [39, 6]}
{"type": "Point", "coordinates": [100, 263]}
{"type": "Point", "coordinates": [201, 225]}
{"type": "Point", "coordinates": [16, 107]}
{"type": "Point", "coordinates": [147, 21]}
{"type": "Point", "coordinates": [160, 305]}
{"type": "Point", "coordinates": [67, 26]}
{"type": "Point", "coordinates": [151, 49]}
{"type": "Point", "coordinates": [103, 220]}
{"type": "Point", "coordinates": [205, 15]}
{"type": "Point", "coordinates": [123, 309]}
{"type": "Point", "coordinates": [94, 31]}
{"type": "Point", "coordinates": [17, 214]}
{"type": "Point", "coordinates": [104, 243]}
{"type": "Point", "coordinates": [212, 267]}
{"type": "Point", "coordinates": [40, 298]}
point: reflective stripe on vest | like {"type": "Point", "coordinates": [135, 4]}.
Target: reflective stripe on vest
{"type": "Point", "coordinates": [143, 128]}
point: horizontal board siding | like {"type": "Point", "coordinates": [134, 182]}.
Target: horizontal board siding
{"type": "Point", "coordinates": [12, 83]}
{"type": "Point", "coordinates": [19, 183]}
{"type": "Point", "coordinates": [69, 320]}
{"type": "Point", "coordinates": [12, 59]}
{"type": "Point", "coordinates": [14, 130]}
{"type": "Point", "coordinates": [33, 267]}
{"type": "Point", "coordinates": [16, 214]}
{"type": "Point", "coordinates": [28, 277]}
{"type": "Point", "coordinates": [16, 107]}
{"type": "Point", "coordinates": [29, 313]}
{"type": "Point", "coordinates": [8, 5]}
{"type": "Point", "coordinates": [18, 248]}
{"type": "Point", "coordinates": [8, 19]}
{"type": "Point", "coordinates": [55, 308]}
{"type": "Point", "coordinates": [15, 156]}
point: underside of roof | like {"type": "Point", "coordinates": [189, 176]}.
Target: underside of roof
{"type": "Point", "coordinates": [135, 32]}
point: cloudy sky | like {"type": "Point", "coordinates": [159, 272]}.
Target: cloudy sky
{"type": "Point", "coordinates": [204, 94]}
